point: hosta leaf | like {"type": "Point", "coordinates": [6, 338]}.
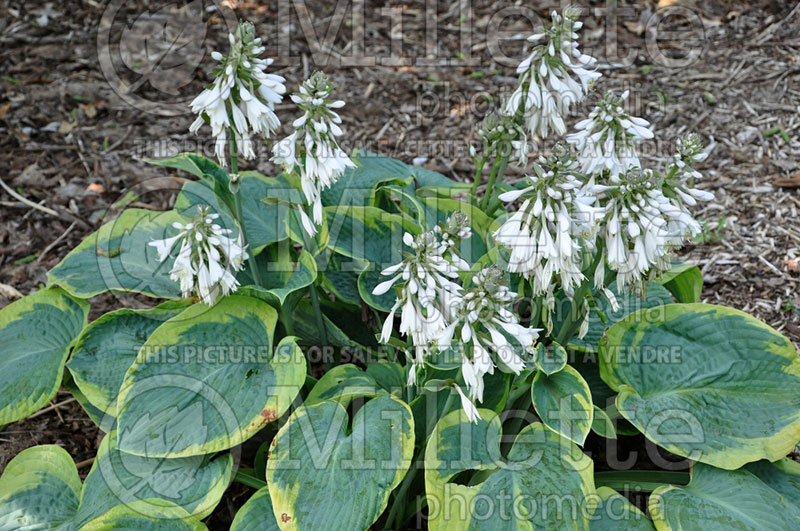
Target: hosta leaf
{"type": "Point", "coordinates": [655, 295]}
{"type": "Point", "coordinates": [107, 348]}
{"type": "Point", "coordinates": [550, 359]}
{"type": "Point", "coordinates": [404, 200]}
{"type": "Point", "coordinates": [256, 514]}
{"type": "Point", "coordinates": [782, 476]}
{"type": "Point", "coordinates": [265, 222]}
{"type": "Point", "coordinates": [602, 424]}
{"type": "Point", "coordinates": [340, 275]}
{"type": "Point", "coordinates": [586, 363]}
{"type": "Point", "coordinates": [194, 483]}
{"type": "Point", "coordinates": [305, 326]}
{"type": "Point", "coordinates": [313, 458]}
{"type": "Point", "coordinates": [614, 511]}
{"type": "Point", "coordinates": [429, 407]}
{"type": "Point", "coordinates": [373, 235]}
{"type": "Point", "coordinates": [39, 489]}
{"type": "Point", "coordinates": [722, 500]}
{"type": "Point", "coordinates": [197, 165]}
{"type": "Point", "coordinates": [429, 178]}
{"type": "Point", "coordinates": [281, 275]}
{"type": "Point", "coordinates": [706, 382]}
{"type": "Point", "coordinates": [343, 383]}
{"type": "Point", "coordinates": [684, 281]}
{"type": "Point", "coordinates": [100, 418]}
{"type": "Point", "coordinates": [211, 175]}
{"type": "Point", "coordinates": [356, 186]}
{"type": "Point", "coordinates": [564, 403]}
{"type": "Point", "coordinates": [510, 492]}
{"type": "Point", "coordinates": [145, 515]}
{"type": "Point", "coordinates": [359, 325]}
{"type": "Point", "coordinates": [207, 380]}
{"type": "Point", "coordinates": [368, 233]}
{"type": "Point", "coordinates": [118, 257]}
{"type": "Point", "coordinates": [367, 281]}
{"type": "Point", "coordinates": [389, 375]}
{"type": "Point", "coordinates": [35, 335]}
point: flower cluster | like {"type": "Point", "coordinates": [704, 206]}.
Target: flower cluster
{"type": "Point", "coordinates": [242, 98]}
{"type": "Point", "coordinates": [681, 173]}
{"type": "Point", "coordinates": [483, 323]}
{"type": "Point", "coordinates": [206, 257]}
{"type": "Point", "coordinates": [427, 285]}
{"type": "Point", "coordinates": [546, 87]}
{"type": "Point", "coordinates": [434, 307]}
{"type": "Point", "coordinates": [453, 231]}
{"type": "Point", "coordinates": [313, 145]}
{"type": "Point", "coordinates": [426, 280]}
{"type": "Point", "coordinates": [497, 130]}
{"type": "Point", "coordinates": [547, 233]}
{"type": "Point", "coordinates": [642, 225]}
{"type": "Point", "coordinates": [641, 215]}
{"type": "Point", "coordinates": [607, 139]}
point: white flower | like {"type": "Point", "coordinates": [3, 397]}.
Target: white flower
{"type": "Point", "coordinates": [485, 325]}
{"type": "Point", "coordinates": [427, 286]}
{"type": "Point", "coordinates": [469, 408]}
{"type": "Point", "coordinates": [642, 226]}
{"type": "Point", "coordinates": [242, 98]}
{"type": "Point", "coordinates": [553, 225]}
{"type": "Point", "coordinates": [453, 231]}
{"type": "Point", "coordinates": [681, 174]}
{"type": "Point", "coordinates": [607, 139]}
{"type": "Point", "coordinates": [308, 225]}
{"type": "Point", "coordinates": [427, 281]}
{"type": "Point", "coordinates": [313, 146]}
{"type": "Point", "coordinates": [206, 258]}
{"type": "Point", "coordinates": [584, 327]}
{"type": "Point", "coordinates": [546, 87]}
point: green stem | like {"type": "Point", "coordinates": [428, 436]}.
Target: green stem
{"type": "Point", "coordinates": [287, 321]}
{"type": "Point", "coordinates": [395, 514]}
{"type": "Point", "coordinates": [517, 399]}
{"type": "Point", "coordinates": [246, 479]}
{"type": "Point", "coordinates": [492, 175]}
{"type": "Point", "coordinates": [234, 151]}
{"type": "Point", "coordinates": [518, 392]}
{"type": "Point", "coordinates": [498, 169]}
{"type": "Point", "coordinates": [572, 322]}
{"type": "Point", "coordinates": [447, 404]}
{"type": "Point", "coordinates": [477, 180]}
{"type": "Point", "coordinates": [251, 256]}
{"type": "Point", "coordinates": [237, 207]}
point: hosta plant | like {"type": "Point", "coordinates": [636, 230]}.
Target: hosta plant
{"type": "Point", "coordinates": [368, 344]}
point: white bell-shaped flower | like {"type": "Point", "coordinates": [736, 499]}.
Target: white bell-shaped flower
{"type": "Point", "coordinates": [607, 139]}
{"type": "Point", "coordinates": [242, 98]}
{"type": "Point", "coordinates": [313, 146]}
{"type": "Point", "coordinates": [486, 332]}
{"type": "Point", "coordinates": [207, 258]}
{"type": "Point", "coordinates": [554, 224]}
{"type": "Point", "coordinates": [547, 87]}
